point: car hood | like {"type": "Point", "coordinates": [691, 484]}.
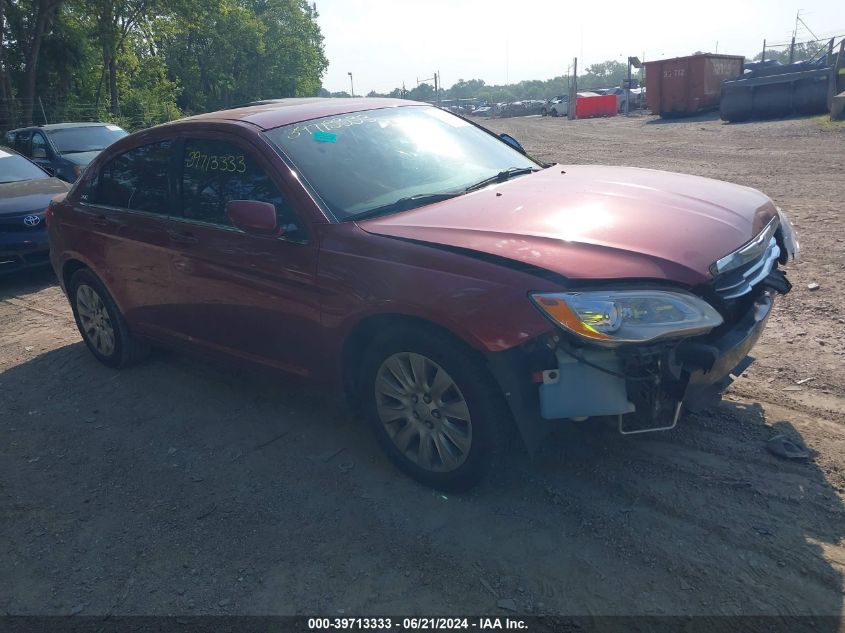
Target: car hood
{"type": "Point", "coordinates": [81, 158]}
{"type": "Point", "coordinates": [595, 222]}
{"type": "Point", "coordinates": [29, 195]}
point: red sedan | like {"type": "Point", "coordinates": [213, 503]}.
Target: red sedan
{"type": "Point", "coordinates": [451, 286]}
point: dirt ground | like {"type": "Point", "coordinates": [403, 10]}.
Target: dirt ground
{"type": "Point", "coordinates": [176, 487]}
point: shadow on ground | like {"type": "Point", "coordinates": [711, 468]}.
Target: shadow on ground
{"type": "Point", "coordinates": [181, 487]}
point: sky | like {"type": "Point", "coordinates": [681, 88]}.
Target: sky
{"type": "Point", "coordinates": [384, 43]}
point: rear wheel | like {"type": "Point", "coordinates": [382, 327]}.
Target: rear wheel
{"type": "Point", "coordinates": [433, 407]}
{"type": "Point", "coordinates": [101, 324]}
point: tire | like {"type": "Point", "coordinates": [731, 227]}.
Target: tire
{"type": "Point", "coordinates": [97, 315]}
{"type": "Point", "coordinates": [553, 112]}
{"type": "Point", "coordinates": [440, 450]}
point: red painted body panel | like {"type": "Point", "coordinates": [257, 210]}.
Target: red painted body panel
{"type": "Point", "coordinates": [595, 222]}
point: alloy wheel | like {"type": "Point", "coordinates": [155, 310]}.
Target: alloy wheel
{"type": "Point", "coordinates": [423, 411]}
{"type": "Point", "coordinates": [94, 317]}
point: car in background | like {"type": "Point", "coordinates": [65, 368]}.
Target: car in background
{"type": "Point", "coordinates": [25, 192]}
{"type": "Point", "coordinates": [622, 96]}
{"type": "Point", "coordinates": [452, 287]}
{"type": "Point", "coordinates": [559, 106]}
{"type": "Point", "coordinates": [64, 149]}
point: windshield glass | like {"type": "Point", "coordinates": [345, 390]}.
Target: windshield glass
{"type": "Point", "coordinates": [13, 168]}
{"type": "Point", "coordinates": [85, 139]}
{"type": "Point", "coordinates": [366, 160]}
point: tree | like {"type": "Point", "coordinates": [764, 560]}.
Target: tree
{"type": "Point", "coordinates": [227, 52]}
{"type": "Point", "coordinates": [115, 20]}
{"type": "Point", "coordinates": [30, 20]}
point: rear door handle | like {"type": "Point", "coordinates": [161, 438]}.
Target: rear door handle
{"type": "Point", "coordinates": [181, 238]}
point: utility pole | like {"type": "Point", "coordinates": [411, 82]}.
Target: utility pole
{"type": "Point", "coordinates": [635, 62]}
{"type": "Point", "coordinates": [351, 85]}
{"type": "Point", "coordinates": [573, 91]}
{"type": "Point", "coordinates": [792, 50]}
{"type": "Point", "coordinates": [763, 58]}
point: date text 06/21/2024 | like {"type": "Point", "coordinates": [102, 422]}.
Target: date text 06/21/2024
{"type": "Point", "coordinates": [416, 624]}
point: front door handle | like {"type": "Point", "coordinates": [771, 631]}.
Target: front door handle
{"type": "Point", "coordinates": [182, 238]}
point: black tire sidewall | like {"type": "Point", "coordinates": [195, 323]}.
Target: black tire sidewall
{"type": "Point", "coordinates": [484, 400]}
{"type": "Point", "coordinates": [121, 335]}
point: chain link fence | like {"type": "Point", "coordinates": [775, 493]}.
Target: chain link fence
{"type": "Point", "coordinates": [14, 113]}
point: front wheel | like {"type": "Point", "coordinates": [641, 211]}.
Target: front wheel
{"type": "Point", "coordinates": [433, 407]}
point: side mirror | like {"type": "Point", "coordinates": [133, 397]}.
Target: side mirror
{"type": "Point", "coordinates": [254, 217]}
{"type": "Point", "coordinates": [39, 152]}
{"type": "Point", "coordinates": [507, 138]}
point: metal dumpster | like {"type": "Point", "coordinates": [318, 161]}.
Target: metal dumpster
{"type": "Point", "coordinates": [685, 85]}
{"type": "Point", "coordinates": [586, 107]}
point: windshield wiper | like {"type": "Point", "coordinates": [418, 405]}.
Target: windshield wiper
{"type": "Point", "coordinates": [409, 202]}
{"type": "Point", "coordinates": [502, 176]}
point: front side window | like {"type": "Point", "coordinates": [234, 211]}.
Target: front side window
{"type": "Point", "coordinates": [138, 179]}
{"type": "Point", "coordinates": [20, 143]}
{"type": "Point", "coordinates": [215, 172]}
{"type": "Point", "coordinates": [363, 161]}
{"type": "Point", "coordinates": [39, 146]}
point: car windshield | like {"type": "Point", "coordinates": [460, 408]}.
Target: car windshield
{"type": "Point", "coordinates": [91, 138]}
{"type": "Point", "coordinates": [394, 158]}
{"type": "Point", "coordinates": [14, 168]}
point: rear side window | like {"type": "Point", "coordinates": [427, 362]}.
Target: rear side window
{"type": "Point", "coordinates": [138, 179]}
{"type": "Point", "coordinates": [215, 172]}
{"type": "Point", "coordinates": [20, 143]}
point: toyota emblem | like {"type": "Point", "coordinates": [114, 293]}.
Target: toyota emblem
{"type": "Point", "coordinates": [32, 220]}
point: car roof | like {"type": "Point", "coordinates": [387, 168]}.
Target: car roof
{"type": "Point", "coordinates": [277, 112]}
{"type": "Point", "coordinates": [61, 126]}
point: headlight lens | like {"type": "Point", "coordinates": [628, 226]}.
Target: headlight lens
{"type": "Point", "coordinates": [790, 247]}
{"type": "Point", "coordinates": [748, 252]}
{"type": "Point", "coordinates": [611, 318]}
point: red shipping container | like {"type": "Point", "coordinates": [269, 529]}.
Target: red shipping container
{"type": "Point", "coordinates": [602, 105]}
{"type": "Point", "coordinates": [686, 85]}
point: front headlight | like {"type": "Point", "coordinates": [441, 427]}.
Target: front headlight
{"type": "Point", "coordinates": [788, 241]}
{"type": "Point", "coordinates": [611, 318]}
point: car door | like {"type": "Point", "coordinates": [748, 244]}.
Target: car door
{"type": "Point", "coordinates": [250, 296]}
{"type": "Point", "coordinates": [123, 218]}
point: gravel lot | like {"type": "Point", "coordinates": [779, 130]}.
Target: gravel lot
{"type": "Point", "coordinates": [181, 488]}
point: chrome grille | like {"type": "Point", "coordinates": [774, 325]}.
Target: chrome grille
{"type": "Point", "coordinates": [739, 281]}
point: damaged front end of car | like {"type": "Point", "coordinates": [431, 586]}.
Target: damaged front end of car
{"type": "Point", "coordinates": [641, 352]}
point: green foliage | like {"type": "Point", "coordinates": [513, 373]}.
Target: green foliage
{"type": "Point", "coordinates": [141, 62]}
